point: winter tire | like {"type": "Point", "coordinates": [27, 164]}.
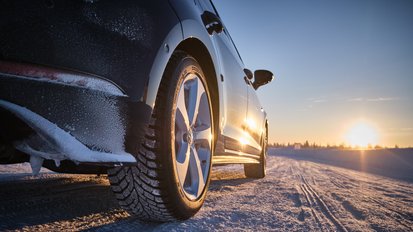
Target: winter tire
{"type": "Point", "coordinates": [171, 178]}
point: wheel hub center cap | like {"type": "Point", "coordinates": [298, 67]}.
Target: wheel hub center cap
{"type": "Point", "coordinates": [189, 137]}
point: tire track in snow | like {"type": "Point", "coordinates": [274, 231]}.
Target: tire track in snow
{"type": "Point", "coordinates": [317, 200]}
{"type": "Point", "coordinates": [310, 202]}
{"type": "Point", "coordinates": [383, 186]}
{"type": "Point", "coordinates": [401, 217]}
{"type": "Point", "coordinates": [295, 195]}
{"type": "Point", "coordinates": [324, 209]}
{"type": "Point", "coordinates": [308, 197]}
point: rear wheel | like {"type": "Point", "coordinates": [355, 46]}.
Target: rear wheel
{"type": "Point", "coordinates": [258, 170]}
{"type": "Point", "coordinates": [172, 175]}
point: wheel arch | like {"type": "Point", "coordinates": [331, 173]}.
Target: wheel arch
{"type": "Point", "coordinates": [199, 51]}
{"type": "Point", "coordinates": [195, 42]}
{"type": "Point", "coordinates": [264, 134]}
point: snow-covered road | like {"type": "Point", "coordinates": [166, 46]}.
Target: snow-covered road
{"type": "Point", "coordinates": [296, 195]}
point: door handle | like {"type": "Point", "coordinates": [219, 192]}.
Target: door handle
{"type": "Point", "coordinates": [212, 22]}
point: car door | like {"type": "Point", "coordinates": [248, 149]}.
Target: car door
{"type": "Point", "coordinates": [235, 88]}
{"type": "Point", "coordinates": [255, 121]}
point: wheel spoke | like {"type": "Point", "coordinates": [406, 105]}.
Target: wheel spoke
{"type": "Point", "coordinates": [196, 90]}
{"type": "Point", "coordinates": [196, 172]}
{"type": "Point", "coordinates": [181, 119]}
{"type": "Point", "coordinates": [182, 161]}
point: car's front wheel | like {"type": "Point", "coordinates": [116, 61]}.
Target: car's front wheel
{"type": "Point", "coordinates": [173, 171]}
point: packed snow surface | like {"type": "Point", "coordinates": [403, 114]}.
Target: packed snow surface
{"type": "Point", "coordinates": [296, 195]}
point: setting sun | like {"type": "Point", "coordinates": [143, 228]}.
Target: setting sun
{"type": "Point", "coordinates": [362, 135]}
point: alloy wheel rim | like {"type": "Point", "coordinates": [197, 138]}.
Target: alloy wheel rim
{"type": "Point", "coordinates": [193, 136]}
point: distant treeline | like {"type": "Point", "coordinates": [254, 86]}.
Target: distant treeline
{"type": "Point", "coordinates": [307, 144]}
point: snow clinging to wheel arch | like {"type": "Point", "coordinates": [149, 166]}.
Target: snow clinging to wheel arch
{"type": "Point", "coordinates": [64, 142]}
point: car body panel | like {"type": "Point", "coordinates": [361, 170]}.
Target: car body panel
{"type": "Point", "coordinates": [127, 45]}
{"type": "Point", "coordinates": [255, 121]}
{"type": "Point", "coordinates": [76, 109]}
{"type": "Point", "coordinates": [105, 38]}
{"type": "Point", "coordinates": [233, 89]}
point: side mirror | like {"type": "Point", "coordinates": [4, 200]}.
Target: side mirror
{"type": "Point", "coordinates": [212, 22]}
{"type": "Point", "coordinates": [262, 77]}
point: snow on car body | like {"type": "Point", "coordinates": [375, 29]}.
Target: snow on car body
{"type": "Point", "coordinates": [153, 92]}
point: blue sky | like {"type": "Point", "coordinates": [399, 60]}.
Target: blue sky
{"type": "Point", "coordinates": [335, 62]}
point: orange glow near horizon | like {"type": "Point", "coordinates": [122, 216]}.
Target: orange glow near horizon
{"type": "Point", "coordinates": [362, 135]}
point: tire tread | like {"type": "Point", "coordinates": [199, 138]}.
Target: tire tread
{"type": "Point", "coordinates": [141, 189]}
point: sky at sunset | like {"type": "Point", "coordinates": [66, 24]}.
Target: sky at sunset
{"type": "Point", "coordinates": [337, 64]}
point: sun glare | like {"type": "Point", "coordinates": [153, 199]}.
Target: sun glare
{"type": "Point", "coordinates": [362, 135]}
